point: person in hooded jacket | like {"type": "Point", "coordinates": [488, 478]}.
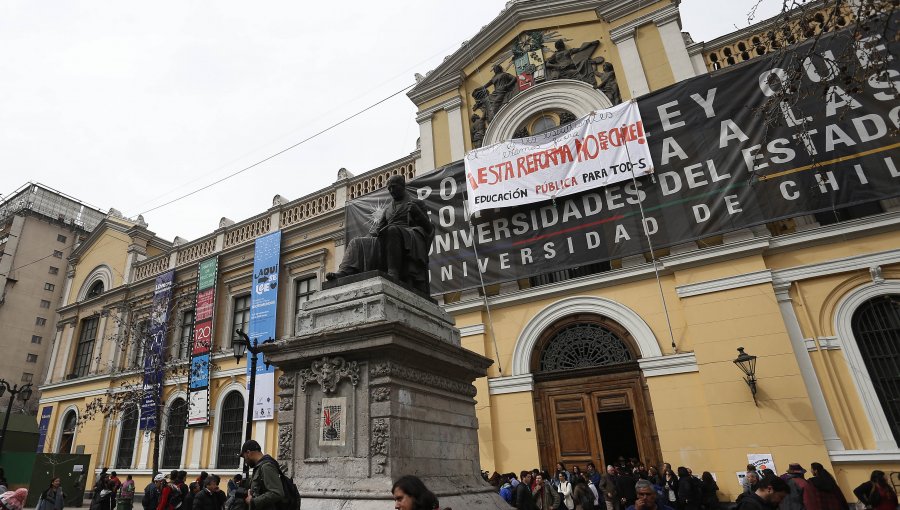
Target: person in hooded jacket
{"type": "Point", "coordinates": [822, 491]}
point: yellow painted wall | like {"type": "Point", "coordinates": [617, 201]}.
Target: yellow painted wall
{"type": "Point", "coordinates": [110, 249]}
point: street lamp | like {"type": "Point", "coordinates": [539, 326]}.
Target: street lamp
{"type": "Point", "coordinates": [241, 346]}
{"type": "Point", "coordinates": [747, 364]}
{"type": "Point", "coordinates": [24, 394]}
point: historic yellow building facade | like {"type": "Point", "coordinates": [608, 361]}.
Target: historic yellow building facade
{"type": "Point", "coordinates": [799, 294]}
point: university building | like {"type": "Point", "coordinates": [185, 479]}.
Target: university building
{"type": "Point", "coordinates": [630, 356]}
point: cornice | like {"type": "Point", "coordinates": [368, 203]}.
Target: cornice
{"type": "Point", "coordinates": [720, 284]}
{"type": "Point", "coordinates": [453, 102]}
{"type": "Point", "coordinates": [661, 16]}
{"type": "Point", "coordinates": [843, 265]}
{"type": "Point", "coordinates": [669, 364]}
{"type": "Point", "coordinates": [506, 21]}
{"type": "Point", "coordinates": [612, 10]}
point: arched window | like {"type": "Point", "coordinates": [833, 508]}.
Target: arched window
{"type": "Point", "coordinates": [876, 327]}
{"type": "Point", "coordinates": [67, 437]}
{"type": "Point", "coordinates": [231, 431]}
{"type": "Point", "coordinates": [174, 439]}
{"type": "Point", "coordinates": [95, 290]}
{"type": "Point", "coordinates": [583, 345]}
{"type": "Point", "coordinates": [127, 438]}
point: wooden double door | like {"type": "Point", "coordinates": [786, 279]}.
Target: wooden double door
{"type": "Point", "coordinates": [595, 418]}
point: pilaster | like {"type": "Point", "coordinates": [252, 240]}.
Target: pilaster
{"type": "Point", "coordinates": [425, 162]}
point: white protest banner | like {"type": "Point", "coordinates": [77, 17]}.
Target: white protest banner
{"type": "Point", "coordinates": [599, 149]}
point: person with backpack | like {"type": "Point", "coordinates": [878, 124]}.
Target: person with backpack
{"type": "Point", "coordinates": [798, 485]}
{"type": "Point", "coordinates": [171, 497]}
{"type": "Point", "coordinates": [266, 489]}
{"type": "Point", "coordinates": [152, 492]}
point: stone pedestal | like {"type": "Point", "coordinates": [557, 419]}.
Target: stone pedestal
{"type": "Point", "coordinates": [376, 386]}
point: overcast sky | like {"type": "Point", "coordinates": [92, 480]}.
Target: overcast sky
{"type": "Point", "coordinates": [128, 105]}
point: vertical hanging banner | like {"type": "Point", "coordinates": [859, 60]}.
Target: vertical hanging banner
{"type": "Point", "coordinates": [156, 344]}
{"type": "Point", "coordinates": [263, 304]}
{"type": "Point", "coordinates": [602, 148]}
{"type": "Point", "coordinates": [204, 308]}
{"type": "Point", "coordinates": [43, 425]}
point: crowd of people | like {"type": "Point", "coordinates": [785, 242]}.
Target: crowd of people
{"type": "Point", "coordinates": [632, 485]}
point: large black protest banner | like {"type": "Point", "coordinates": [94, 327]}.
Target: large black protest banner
{"type": "Point", "coordinates": [729, 153]}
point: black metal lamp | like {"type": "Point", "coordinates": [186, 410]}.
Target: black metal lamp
{"type": "Point", "coordinates": [25, 394]}
{"type": "Point", "coordinates": [240, 345]}
{"type": "Point", "coordinates": [747, 364]}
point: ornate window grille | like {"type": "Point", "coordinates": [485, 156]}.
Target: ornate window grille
{"type": "Point", "coordinates": [127, 438]}
{"type": "Point", "coordinates": [876, 327]}
{"type": "Point", "coordinates": [583, 345]}
{"type": "Point", "coordinates": [231, 431]}
{"type": "Point", "coordinates": [175, 434]}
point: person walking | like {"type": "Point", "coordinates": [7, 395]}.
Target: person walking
{"type": "Point", "coordinates": [877, 493]}
{"type": "Point", "coordinates": [646, 497]}
{"type": "Point", "coordinates": [823, 492]}
{"type": "Point", "coordinates": [125, 500]}
{"type": "Point", "coordinates": [152, 492]}
{"type": "Point", "coordinates": [710, 488]}
{"type": "Point", "coordinates": [545, 496]}
{"type": "Point", "coordinates": [607, 488]}
{"type": "Point", "coordinates": [798, 484]}
{"type": "Point", "coordinates": [411, 494]}
{"type": "Point", "coordinates": [208, 497]}
{"type": "Point", "coordinates": [769, 493]}
{"type": "Point", "coordinates": [52, 498]}
{"type": "Point", "coordinates": [689, 492]}
{"type": "Point", "coordinates": [266, 492]}
{"type": "Point", "coordinates": [564, 487]}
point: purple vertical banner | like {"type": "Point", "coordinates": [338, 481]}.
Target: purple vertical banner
{"type": "Point", "coordinates": [43, 425]}
{"type": "Point", "coordinates": [153, 353]}
{"type": "Point", "coordinates": [263, 304]}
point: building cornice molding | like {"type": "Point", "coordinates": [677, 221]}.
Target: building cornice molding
{"type": "Point", "coordinates": [837, 266]}
{"type": "Point", "coordinates": [681, 363]}
{"type": "Point", "coordinates": [884, 222]}
{"type": "Point", "coordinates": [720, 284]}
{"type": "Point", "coordinates": [449, 104]}
{"type": "Point", "coordinates": [661, 16]}
{"type": "Point", "coordinates": [826, 343]}
{"type": "Point", "coordinates": [510, 384]}
{"type": "Point", "coordinates": [867, 456]}
{"type": "Point", "coordinates": [613, 10]}
{"type": "Point", "coordinates": [472, 330]}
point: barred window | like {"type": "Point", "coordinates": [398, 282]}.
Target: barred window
{"type": "Point", "coordinates": [174, 437]}
{"type": "Point", "coordinates": [85, 346]}
{"type": "Point", "coordinates": [127, 438]}
{"type": "Point", "coordinates": [231, 431]}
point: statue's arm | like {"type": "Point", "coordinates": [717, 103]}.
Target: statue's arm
{"type": "Point", "coordinates": [419, 218]}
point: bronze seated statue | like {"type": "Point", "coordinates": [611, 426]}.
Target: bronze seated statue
{"type": "Point", "coordinates": [397, 244]}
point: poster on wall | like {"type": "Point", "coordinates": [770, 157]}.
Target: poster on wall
{"type": "Point", "coordinates": [263, 305]}
{"type": "Point", "coordinates": [43, 425]}
{"type": "Point", "coordinates": [762, 461]}
{"type": "Point", "coordinates": [155, 349]}
{"type": "Point", "coordinates": [204, 310]}
{"type": "Point", "coordinates": [332, 431]}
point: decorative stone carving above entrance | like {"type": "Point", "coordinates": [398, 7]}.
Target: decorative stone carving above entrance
{"type": "Point", "coordinates": [328, 372]}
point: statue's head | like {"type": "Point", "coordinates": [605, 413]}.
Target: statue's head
{"type": "Point", "coordinates": [498, 69]}
{"type": "Point", "coordinates": [607, 67]}
{"type": "Point", "coordinates": [560, 44]}
{"type": "Point", "coordinates": [397, 186]}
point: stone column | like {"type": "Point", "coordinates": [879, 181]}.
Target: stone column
{"type": "Point", "coordinates": [455, 125]}
{"type": "Point", "coordinates": [807, 371]}
{"type": "Point", "coordinates": [425, 163]}
{"type": "Point", "coordinates": [673, 42]}
{"type": "Point", "coordinates": [631, 61]}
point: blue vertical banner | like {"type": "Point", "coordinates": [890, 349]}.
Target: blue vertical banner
{"type": "Point", "coordinates": [263, 305]}
{"type": "Point", "coordinates": [154, 349]}
{"type": "Point", "coordinates": [43, 425]}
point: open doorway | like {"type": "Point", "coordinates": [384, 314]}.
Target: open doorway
{"type": "Point", "coordinates": [617, 435]}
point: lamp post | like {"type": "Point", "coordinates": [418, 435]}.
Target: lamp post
{"type": "Point", "coordinates": [24, 394]}
{"type": "Point", "coordinates": [241, 347]}
{"type": "Point", "coordinates": [747, 364]}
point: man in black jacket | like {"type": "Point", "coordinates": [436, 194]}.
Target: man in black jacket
{"type": "Point", "coordinates": [524, 500]}
{"type": "Point", "coordinates": [266, 491]}
{"type": "Point", "coordinates": [152, 492]}
{"type": "Point", "coordinates": [768, 495]}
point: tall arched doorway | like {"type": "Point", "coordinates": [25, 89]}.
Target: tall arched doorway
{"type": "Point", "coordinates": [591, 402]}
